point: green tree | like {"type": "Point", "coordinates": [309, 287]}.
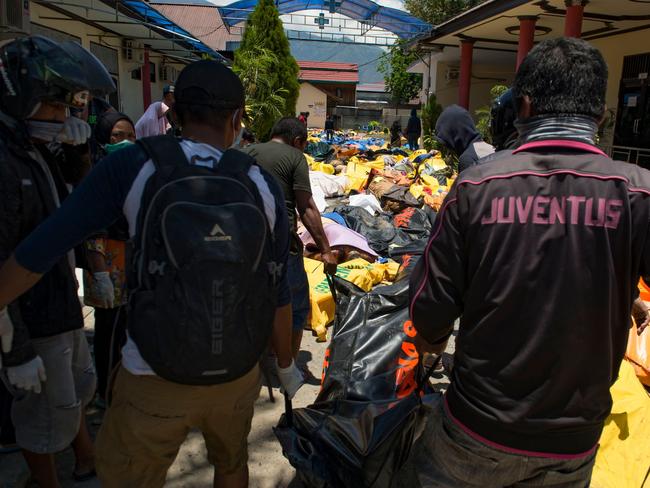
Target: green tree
{"type": "Point", "coordinates": [401, 85]}
{"type": "Point", "coordinates": [430, 113]}
{"type": "Point", "coordinates": [437, 11]}
{"type": "Point", "coordinates": [484, 114]}
{"type": "Point", "coordinates": [264, 102]}
{"type": "Point", "coordinates": [264, 30]}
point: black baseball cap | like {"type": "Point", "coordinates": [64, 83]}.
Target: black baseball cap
{"type": "Point", "coordinates": [209, 83]}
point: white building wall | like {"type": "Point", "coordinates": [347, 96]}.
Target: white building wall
{"type": "Point", "coordinates": [130, 90]}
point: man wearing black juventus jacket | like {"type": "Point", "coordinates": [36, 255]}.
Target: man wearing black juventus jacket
{"type": "Point", "coordinates": [539, 253]}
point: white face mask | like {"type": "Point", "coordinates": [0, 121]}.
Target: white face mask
{"type": "Point", "coordinates": [44, 131]}
{"type": "Point", "coordinates": [238, 139]}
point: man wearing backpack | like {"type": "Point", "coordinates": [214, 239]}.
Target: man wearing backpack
{"type": "Point", "coordinates": [208, 284]}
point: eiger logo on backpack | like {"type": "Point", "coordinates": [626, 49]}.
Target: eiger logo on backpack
{"type": "Point", "coordinates": [217, 235]}
{"type": "Point", "coordinates": [204, 278]}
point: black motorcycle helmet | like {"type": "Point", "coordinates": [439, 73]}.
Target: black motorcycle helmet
{"type": "Point", "coordinates": [503, 117]}
{"type": "Point", "coordinates": [36, 69]}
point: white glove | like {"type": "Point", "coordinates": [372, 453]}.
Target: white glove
{"type": "Point", "coordinates": [103, 289]}
{"type": "Point", "coordinates": [6, 332]}
{"type": "Point", "coordinates": [75, 131]}
{"type": "Point", "coordinates": [28, 376]}
{"type": "Point", "coordinates": [291, 379]}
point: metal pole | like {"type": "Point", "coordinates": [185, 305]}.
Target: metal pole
{"type": "Point", "coordinates": [146, 80]}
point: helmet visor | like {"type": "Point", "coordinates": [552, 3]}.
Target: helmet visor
{"type": "Point", "coordinates": [36, 69]}
{"type": "Point", "coordinates": [97, 79]}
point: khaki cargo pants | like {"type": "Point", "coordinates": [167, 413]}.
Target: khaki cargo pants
{"type": "Point", "coordinates": [149, 418]}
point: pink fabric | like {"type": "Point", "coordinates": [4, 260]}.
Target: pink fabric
{"type": "Point", "coordinates": [153, 122]}
{"type": "Point", "coordinates": [560, 143]}
{"type": "Point", "coordinates": [549, 174]}
{"type": "Point", "coordinates": [510, 450]}
{"type": "Point", "coordinates": [337, 235]}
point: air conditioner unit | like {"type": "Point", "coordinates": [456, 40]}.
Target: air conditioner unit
{"type": "Point", "coordinates": [167, 73]}
{"type": "Point", "coordinates": [452, 74]}
{"type": "Point", "coordinates": [14, 18]}
{"type": "Point", "coordinates": [133, 51]}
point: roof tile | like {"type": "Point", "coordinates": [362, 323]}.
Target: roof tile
{"type": "Point", "coordinates": [324, 65]}
{"type": "Point", "coordinates": [329, 76]}
{"type": "Point", "coordinates": [203, 22]}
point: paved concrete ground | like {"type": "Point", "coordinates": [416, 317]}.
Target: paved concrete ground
{"type": "Point", "coordinates": [268, 468]}
{"type": "Point", "coordinates": [267, 465]}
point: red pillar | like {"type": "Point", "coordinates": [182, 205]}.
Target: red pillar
{"type": "Point", "coordinates": [146, 80]}
{"type": "Point", "coordinates": [573, 21]}
{"type": "Point", "coordinates": [526, 37]}
{"type": "Point", "coordinates": [465, 82]}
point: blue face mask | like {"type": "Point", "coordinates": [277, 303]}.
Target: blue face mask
{"type": "Point", "coordinates": [111, 148]}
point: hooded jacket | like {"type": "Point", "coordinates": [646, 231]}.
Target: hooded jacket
{"type": "Point", "coordinates": [456, 130]}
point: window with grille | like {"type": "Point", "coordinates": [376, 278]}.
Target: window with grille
{"type": "Point", "coordinates": [14, 14]}
{"type": "Point", "coordinates": [107, 56]}
{"type": "Point", "coordinates": [633, 66]}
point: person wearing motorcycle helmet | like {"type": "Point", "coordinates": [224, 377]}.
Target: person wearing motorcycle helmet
{"type": "Point", "coordinates": [502, 124]}
{"type": "Point", "coordinates": [45, 358]}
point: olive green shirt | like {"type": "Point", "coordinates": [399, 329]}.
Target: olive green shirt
{"type": "Point", "coordinates": [289, 167]}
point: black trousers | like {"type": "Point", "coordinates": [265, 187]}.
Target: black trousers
{"type": "Point", "coordinates": [110, 337]}
{"type": "Point", "coordinates": [413, 142]}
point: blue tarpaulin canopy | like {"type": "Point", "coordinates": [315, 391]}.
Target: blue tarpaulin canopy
{"type": "Point", "coordinates": [152, 16]}
{"type": "Point", "coordinates": [393, 20]}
